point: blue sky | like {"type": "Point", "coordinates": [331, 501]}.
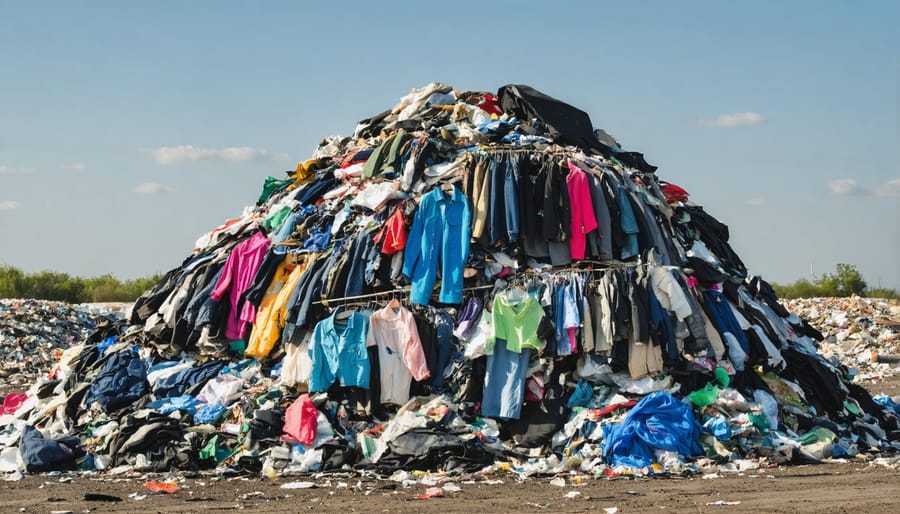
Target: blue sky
{"type": "Point", "coordinates": [128, 129]}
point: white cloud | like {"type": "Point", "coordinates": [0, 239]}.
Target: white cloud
{"type": "Point", "coordinates": [12, 170]}
{"type": "Point", "coordinates": [890, 189]}
{"type": "Point", "coordinates": [75, 166]}
{"type": "Point", "coordinates": [9, 206]}
{"type": "Point", "coordinates": [151, 188]}
{"type": "Point", "coordinates": [737, 119]}
{"type": "Point", "coordinates": [756, 202]}
{"type": "Point", "coordinates": [849, 187]}
{"type": "Point", "coordinates": [172, 155]}
{"type": "Point", "coordinates": [844, 187]}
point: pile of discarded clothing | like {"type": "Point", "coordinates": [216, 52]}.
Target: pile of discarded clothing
{"type": "Point", "coordinates": [33, 334]}
{"type": "Point", "coordinates": [472, 281]}
{"type": "Point", "coordinates": [862, 332]}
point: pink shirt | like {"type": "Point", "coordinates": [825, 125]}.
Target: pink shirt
{"type": "Point", "coordinates": [400, 354]}
{"type": "Point", "coordinates": [582, 210]}
{"type": "Point", "coordinates": [237, 276]}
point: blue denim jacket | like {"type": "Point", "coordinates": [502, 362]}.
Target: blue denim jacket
{"type": "Point", "coordinates": [440, 232]}
{"type": "Point", "coordinates": [338, 353]}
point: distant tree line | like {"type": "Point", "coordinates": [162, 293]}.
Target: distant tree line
{"type": "Point", "coordinates": [845, 281]}
{"type": "Point", "coordinates": [51, 285]}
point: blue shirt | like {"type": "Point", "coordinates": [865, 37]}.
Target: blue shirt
{"type": "Point", "coordinates": [440, 232]}
{"type": "Point", "coordinates": [338, 352]}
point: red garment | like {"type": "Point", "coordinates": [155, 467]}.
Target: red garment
{"type": "Point", "coordinates": [582, 210]}
{"type": "Point", "coordinates": [489, 105]}
{"type": "Point", "coordinates": [674, 193]}
{"type": "Point", "coordinates": [301, 421]}
{"type": "Point", "coordinates": [395, 233]}
{"type": "Point", "coordinates": [610, 408]}
{"type": "Point", "coordinates": [12, 402]}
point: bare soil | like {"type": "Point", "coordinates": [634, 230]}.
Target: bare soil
{"type": "Point", "coordinates": [854, 487]}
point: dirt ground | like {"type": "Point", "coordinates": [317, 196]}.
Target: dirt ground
{"type": "Point", "coordinates": [858, 487]}
{"type": "Point", "coordinates": [855, 487]}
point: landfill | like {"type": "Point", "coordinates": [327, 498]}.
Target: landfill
{"type": "Point", "coordinates": [473, 285]}
{"type": "Point", "coordinates": [34, 333]}
{"type": "Point", "coordinates": [862, 332]}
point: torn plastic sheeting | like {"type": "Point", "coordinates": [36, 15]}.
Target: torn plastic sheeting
{"type": "Point", "coordinates": [657, 421]}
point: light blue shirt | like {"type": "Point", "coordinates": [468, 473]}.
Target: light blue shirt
{"type": "Point", "coordinates": [338, 352]}
{"type": "Point", "coordinates": [440, 231]}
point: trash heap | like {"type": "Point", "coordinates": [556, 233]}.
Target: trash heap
{"type": "Point", "coordinates": [471, 282]}
{"type": "Point", "coordinates": [863, 332]}
{"type": "Point", "coordinates": [33, 334]}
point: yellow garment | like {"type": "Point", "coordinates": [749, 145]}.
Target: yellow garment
{"type": "Point", "coordinates": [272, 313]}
{"type": "Point", "coordinates": [305, 172]}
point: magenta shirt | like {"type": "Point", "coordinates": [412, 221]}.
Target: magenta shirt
{"type": "Point", "coordinates": [582, 210]}
{"type": "Point", "coordinates": [237, 276]}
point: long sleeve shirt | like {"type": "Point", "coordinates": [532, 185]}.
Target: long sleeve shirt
{"type": "Point", "coordinates": [400, 354]}
{"type": "Point", "coordinates": [583, 220]}
{"type": "Point", "coordinates": [338, 352]}
{"type": "Point", "coordinates": [237, 275]}
{"type": "Point", "coordinates": [440, 233]}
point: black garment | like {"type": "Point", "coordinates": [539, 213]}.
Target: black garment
{"type": "Point", "coordinates": [371, 127]}
{"type": "Point", "coordinates": [314, 190]}
{"type": "Point", "coordinates": [609, 186]}
{"type": "Point", "coordinates": [496, 222]}
{"type": "Point", "coordinates": [428, 337]}
{"type": "Point", "coordinates": [639, 298]}
{"type": "Point", "coordinates": [263, 277]}
{"type": "Point", "coordinates": [886, 419]}
{"type": "Point", "coordinates": [821, 384]}
{"type": "Point", "coordinates": [555, 214]}
{"type": "Point", "coordinates": [540, 420]}
{"type": "Point", "coordinates": [309, 290]}
{"type": "Point", "coordinates": [564, 123]}
{"type": "Point", "coordinates": [338, 270]}
{"type": "Point", "coordinates": [154, 434]}
{"type": "Point", "coordinates": [715, 235]}
{"type": "Point", "coordinates": [530, 202]}
{"type": "Point", "coordinates": [762, 290]}
{"type": "Point", "coordinates": [433, 448]}
{"type": "Point", "coordinates": [149, 302]}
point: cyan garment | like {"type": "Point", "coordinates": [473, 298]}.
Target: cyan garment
{"type": "Point", "coordinates": [627, 223]}
{"type": "Point", "coordinates": [440, 233]}
{"type": "Point", "coordinates": [658, 421]}
{"type": "Point", "coordinates": [185, 402]}
{"type": "Point", "coordinates": [338, 352]}
{"type": "Point", "coordinates": [209, 413]}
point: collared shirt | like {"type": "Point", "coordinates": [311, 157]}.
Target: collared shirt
{"type": "Point", "coordinates": [440, 231]}
{"type": "Point", "coordinates": [338, 352]}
